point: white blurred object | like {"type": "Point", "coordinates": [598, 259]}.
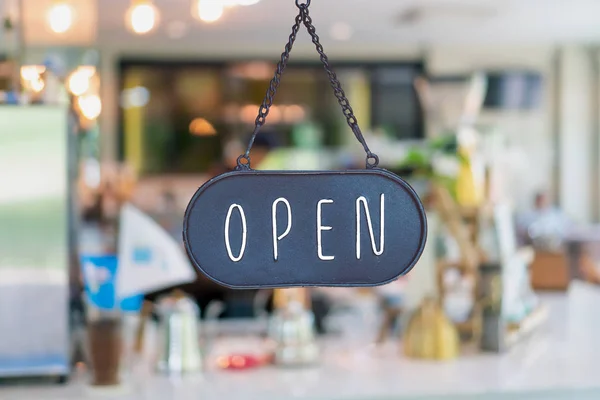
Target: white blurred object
{"type": "Point", "coordinates": [292, 329]}
{"type": "Point", "coordinates": [474, 98]}
{"type": "Point", "coordinates": [458, 306]}
{"type": "Point", "coordinates": [453, 254]}
{"type": "Point", "coordinates": [341, 31]}
{"type": "Point", "coordinates": [149, 258]}
{"type": "Point", "coordinates": [92, 173]}
{"type": "Point", "coordinates": [208, 10]}
{"type": "Point", "coordinates": [90, 106]}
{"type": "Point", "coordinates": [423, 277]}
{"type": "Point", "coordinates": [146, 359]}
{"type": "Point", "coordinates": [79, 80]}
{"type": "Point", "coordinates": [179, 335]}
{"type": "Point", "coordinates": [60, 17]}
{"type": "Point", "coordinates": [135, 97]}
{"type": "Point", "coordinates": [450, 103]}
{"type": "Point", "coordinates": [142, 17]}
{"type": "Point", "coordinates": [458, 298]}
{"type": "Point", "coordinates": [445, 165]}
{"type": "Point", "coordinates": [518, 298]}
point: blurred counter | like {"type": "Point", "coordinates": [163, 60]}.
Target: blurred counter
{"type": "Point", "coordinates": [561, 362]}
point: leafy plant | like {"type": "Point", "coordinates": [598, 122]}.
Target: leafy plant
{"type": "Point", "coordinates": [419, 160]}
{"type": "Point", "coordinates": [7, 24]}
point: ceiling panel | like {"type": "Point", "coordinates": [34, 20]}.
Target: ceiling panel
{"type": "Point", "coordinates": [37, 31]}
{"type": "Point", "coordinates": [374, 24]}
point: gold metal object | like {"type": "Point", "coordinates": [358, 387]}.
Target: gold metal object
{"type": "Point", "coordinates": [430, 334]}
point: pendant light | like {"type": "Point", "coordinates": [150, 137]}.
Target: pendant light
{"type": "Point", "coordinates": [90, 106]}
{"type": "Point", "coordinates": [60, 16]}
{"type": "Point", "coordinates": [208, 10]}
{"type": "Point", "coordinates": [80, 80]}
{"type": "Point", "coordinates": [142, 17]}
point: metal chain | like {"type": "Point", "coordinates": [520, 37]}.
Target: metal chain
{"type": "Point", "coordinates": [338, 91]}
{"type": "Point", "coordinates": [265, 107]}
{"type": "Point", "coordinates": [243, 161]}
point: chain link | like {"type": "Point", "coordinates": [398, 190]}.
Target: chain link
{"type": "Point", "coordinates": [338, 91]}
{"type": "Point", "coordinates": [303, 17]}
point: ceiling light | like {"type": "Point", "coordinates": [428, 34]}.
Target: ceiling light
{"type": "Point", "coordinates": [37, 85]}
{"type": "Point", "coordinates": [90, 106]}
{"type": "Point", "coordinates": [60, 16]}
{"type": "Point", "coordinates": [32, 72]}
{"type": "Point", "coordinates": [341, 31]}
{"type": "Point", "coordinates": [142, 16]}
{"type": "Point", "coordinates": [208, 10]}
{"type": "Point", "coordinates": [79, 81]}
{"type": "Point", "coordinates": [32, 77]}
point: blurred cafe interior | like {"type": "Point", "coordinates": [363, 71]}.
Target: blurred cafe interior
{"type": "Point", "coordinates": [113, 113]}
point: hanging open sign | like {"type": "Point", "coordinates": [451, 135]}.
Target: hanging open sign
{"type": "Point", "coordinates": [251, 229]}
{"type": "Point", "coordinates": [278, 229]}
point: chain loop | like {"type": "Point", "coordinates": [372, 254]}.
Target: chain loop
{"type": "Point", "coordinates": [302, 5]}
{"type": "Point", "coordinates": [375, 160]}
{"type": "Point", "coordinates": [243, 162]}
{"type": "Point", "coordinates": [303, 17]}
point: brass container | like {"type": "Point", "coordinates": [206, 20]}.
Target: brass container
{"type": "Point", "coordinates": [430, 334]}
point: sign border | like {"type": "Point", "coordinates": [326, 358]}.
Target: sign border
{"type": "Point", "coordinates": [374, 171]}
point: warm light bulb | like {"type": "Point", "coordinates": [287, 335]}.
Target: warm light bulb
{"type": "Point", "coordinates": [78, 84]}
{"type": "Point", "coordinates": [79, 81]}
{"type": "Point", "coordinates": [32, 72]}
{"type": "Point", "coordinates": [208, 10]}
{"type": "Point", "coordinates": [60, 17]}
{"type": "Point", "coordinates": [37, 85]}
{"type": "Point", "coordinates": [142, 17]}
{"type": "Point", "coordinates": [247, 2]}
{"type": "Point", "coordinates": [90, 106]}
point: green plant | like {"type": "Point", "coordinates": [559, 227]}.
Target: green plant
{"type": "Point", "coordinates": [419, 159]}
{"type": "Point", "coordinates": [7, 24]}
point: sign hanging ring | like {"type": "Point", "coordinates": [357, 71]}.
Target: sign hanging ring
{"type": "Point", "coordinates": [243, 162]}
{"type": "Point", "coordinates": [372, 160]}
{"type": "Point", "coordinates": [299, 3]}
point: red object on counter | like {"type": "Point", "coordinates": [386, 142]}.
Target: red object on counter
{"type": "Point", "coordinates": [242, 361]}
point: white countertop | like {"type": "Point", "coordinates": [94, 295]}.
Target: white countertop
{"type": "Point", "coordinates": [562, 358]}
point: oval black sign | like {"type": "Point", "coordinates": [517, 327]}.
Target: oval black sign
{"type": "Point", "coordinates": [255, 229]}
